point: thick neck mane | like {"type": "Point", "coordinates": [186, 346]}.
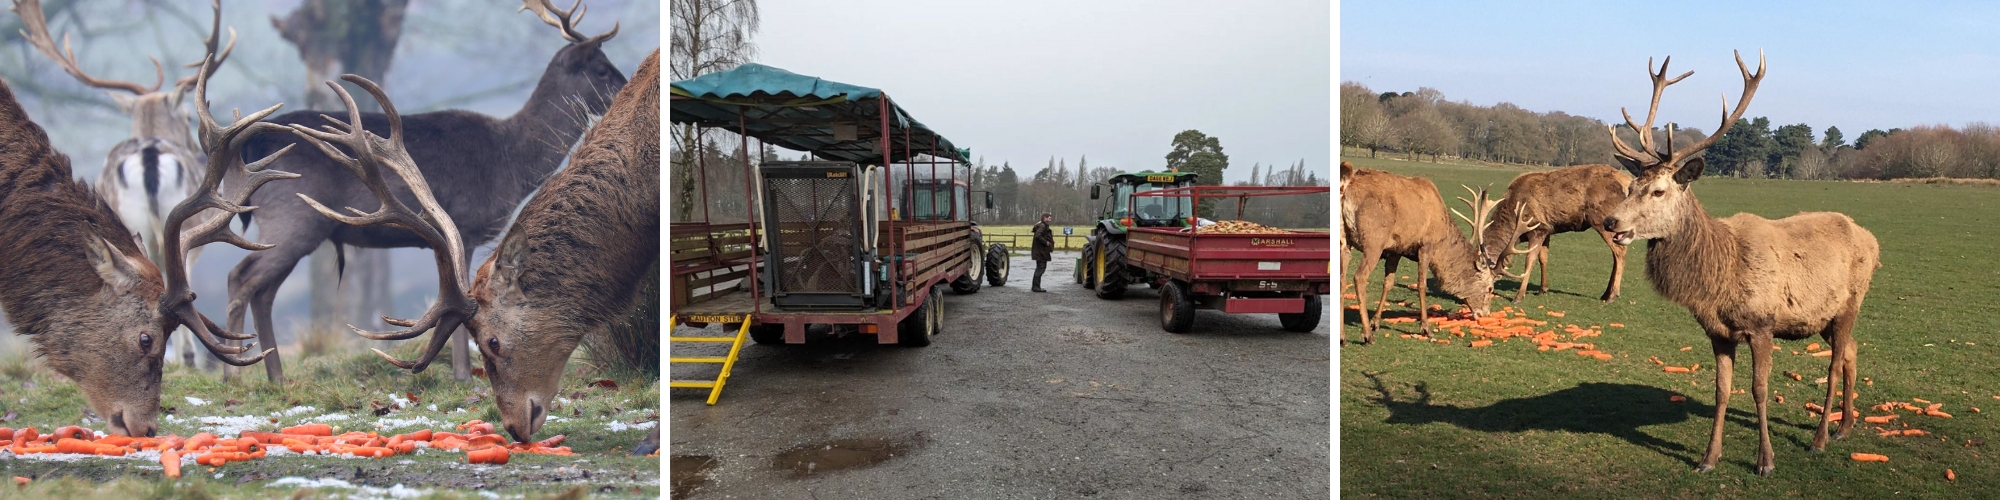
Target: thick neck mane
{"type": "Point", "coordinates": [1699, 263]}
{"type": "Point", "coordinates": [1452, 260]}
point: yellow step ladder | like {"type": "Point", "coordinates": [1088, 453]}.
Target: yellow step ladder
{"type": "Point", "coordinates": [727, 362]}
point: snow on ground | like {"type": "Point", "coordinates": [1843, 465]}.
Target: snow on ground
{"type": "Point", "coordinates": [360, 491]}
{"type": "Point", "coordinates": [620, 426]}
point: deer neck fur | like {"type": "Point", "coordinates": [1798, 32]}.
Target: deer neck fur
{"type": "Point", "coordinates": [1694, 263]}
{"type": "Point", "coordinates": [1453, 261]}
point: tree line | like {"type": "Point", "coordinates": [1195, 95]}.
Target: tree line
{"type": "Point", "coordinates": [1423, 122]}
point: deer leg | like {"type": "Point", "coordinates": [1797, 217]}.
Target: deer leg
{"type": "Point", "coordinates": [1542, 254]}
{"type": "Point", "coordinates": [1844, 351]}
{"type": "Point", "coordinates": [1725, 359]}
{"type": "Point", "coordinates": [1388, 281]}
{"type": "Point", "coordinates": [1833, 377]}
{"type": "Point", "coordinates": [267, 336]}
{"type": "Point", "coordinates": [1365, 266]}
{"type": "Point", "coordinates": [1617, 266]}
{"type": "Point", "coordinates": [1527, 267]}
{"type": "Point", "coordinates": [1760, 367]}
{"type": "Point", "coordinates": [1423, 282]}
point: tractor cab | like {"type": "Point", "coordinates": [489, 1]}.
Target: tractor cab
{"type": "Point", "coordinates": [1146, 211]}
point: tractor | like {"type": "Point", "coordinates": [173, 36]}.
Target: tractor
{"type": "Point", "coordinates": [1102, 266]}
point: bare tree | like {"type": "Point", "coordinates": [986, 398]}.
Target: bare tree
{"type": "Point", "coordinates": [1362, 121]}
{"type": "Point", "coordinates": [706, 36]}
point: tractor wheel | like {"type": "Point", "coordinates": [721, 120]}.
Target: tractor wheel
{"type": "Point", "coordinates": [917, 328]}
{"type": "Point", "coordinates": [1082, 271]}
{"type": "Point", "coordinates": [768, 333]}
{"type": "Point", "coordinates": [1176, 308]}
{"type": "Point", "coordinates": [996, 264]}
{"type": "Point", "coordinates": [1108, 268]}
{"type": "Point", "coordinates": [969, 282]}
{"type": "Point", "coordinates": [1303, 321]}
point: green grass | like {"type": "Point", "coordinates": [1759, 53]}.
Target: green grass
{"type": "Point", "coordinates": [347, 384]}
{"type": "Point", "coordinates": [1422, 420]}
{"type": "Point", "coordinates": [1018, 238]}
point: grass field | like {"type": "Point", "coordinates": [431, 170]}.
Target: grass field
{"type": "Point", "coordinates": [602, 425]}
{"type": "Point", "coordinates": [1424, 420]}
{"type": "Point", "coordinates": [1024, 235]}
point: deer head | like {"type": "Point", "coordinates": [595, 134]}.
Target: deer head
{"type": "Point", "coordinates": [155, 112]}
{"type": "Point", "coordinates": [1477, 294]}
{"type": "Point", "coordinates": [581, 69]}
{"type": "Point", "coordinates": [1659, 197]}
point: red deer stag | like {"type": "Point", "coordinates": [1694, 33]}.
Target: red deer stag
{"type": "Point", "coordinates": [1564, 200]}
{"type": "Point", "coordinates": [1745, 278]}
{"type": "Point", "coordinates": [159, 165]}
{"type": "Point", "coordinates": [483, 168]}
{"type": "Point", "coordinates": [73, 279]}
{"type": "Point", "coordinates": [571, 263]}
{"type": "Point", "coordinates": [1389, 217]}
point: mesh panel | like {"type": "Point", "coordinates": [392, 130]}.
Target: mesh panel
{"type": "Point", "coordinates": [816, 239]}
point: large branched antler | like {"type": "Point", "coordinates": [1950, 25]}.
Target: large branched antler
{"type": "Point", "coordinates": [565, 20]}
{"type": "Point", "coordinates": [1647, 155]}
{"type": "Point", "coordinates": [1482, 211]}
{"type": "Point", "coordinates": [224, 145]}
{"type": "Point", "coordinates": [36, 31]}
{"type": "Point", "coordinates": [371, 153]}
{"type": "Point", "coordinates": [208, 70]}
{"type": "Point", "coordinates": [1523, 224]}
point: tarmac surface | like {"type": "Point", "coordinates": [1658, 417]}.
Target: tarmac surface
{"type": "Point", "coordinates": [1022, 395]}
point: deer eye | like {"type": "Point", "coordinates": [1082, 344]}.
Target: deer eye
{"type": "Point", "coordinates": [146, 342]}
{"type": "Point", "coordinates": [1659, 192]}
{"type": "Point", "coordinates": [493, 344]}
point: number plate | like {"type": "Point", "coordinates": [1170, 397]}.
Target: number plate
{"type": "Point", "coordinates": [715, 318]}
{"type": "Point", "coordinates": [1268, 266]}
{"type": "Point", "coordinates": [1159, 178]}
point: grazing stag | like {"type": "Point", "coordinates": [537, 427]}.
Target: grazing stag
{"type": "Point", "coordinates": [158, 166]}
{"type": "Point", "coordinates": [73, 279]}
{"type": "Point", "coordinates": [1563, 201]}
{"type": "Point", "coordinates": [572, 262]}
{"type": "Point", "coordinates": [1745, 278]}
{"type": "Point", "coordinates": [1389, 217]}
{"type": "Point", "coordinates": [482, 168]}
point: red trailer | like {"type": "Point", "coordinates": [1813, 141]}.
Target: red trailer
{"type": "Point", "coordinates": [1196, 268]}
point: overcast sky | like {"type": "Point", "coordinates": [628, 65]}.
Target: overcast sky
{"type": "Point", "coordinates": [1855, 65]}
{"type": "Point", "coordinates": [1023, 81]}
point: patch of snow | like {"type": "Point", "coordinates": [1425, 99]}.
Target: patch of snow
{"type": "Point", "coordinates": [397, 491]}
{"type": "Point", "coordinates": [432, 407]}
{"type": "Point", "coordinates": [196, 401]}
{"type": "Point", "coordinates": [620, 426]}
{"type": "Point", "coordinates": [418, 421]}
{"type": "Point", "coordinates": [295, 411]}
{"type": "Point", "coordinates": [329, 416]}
{"type": "Point", "coordinates": [232, 426]}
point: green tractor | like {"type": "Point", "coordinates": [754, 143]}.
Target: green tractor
{"type": "Point", "coordinates": [1102, 267]}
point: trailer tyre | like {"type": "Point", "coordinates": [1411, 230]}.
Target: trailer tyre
{"type": "Point", "coordinates": [1303, 321]}
{"type": "Point", "coordinates": [1108, 268]}
{"type": "Point", "coordinates": [1176, 308]}
{"type": "Point", "coordinates": [969, 282]}
{"type": "Point", "coordinates": [917, 328]}
{"type": "Point", "coordinates": [996, 264]}
{"type": "Point", "coordinates": [768, 333]}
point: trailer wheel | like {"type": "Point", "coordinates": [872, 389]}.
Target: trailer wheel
{"type": "Point", "coordinates": [1176, 308]}
{"type": "Point", "coordinates": [917, 328]}
{"type": "Point", "coordinates": [969, 282]}
{"type": "Point", "coordinates": [996, 264]}
{"type": "Point", "coordinates": [768, 333]}
{"type": "Point", "coordinates": [1108, 267]}
{"type": "Point", "coordinates": [1304, 321]}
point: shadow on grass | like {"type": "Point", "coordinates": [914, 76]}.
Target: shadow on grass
{"type": "Point", "coordinates": [1619, 410]}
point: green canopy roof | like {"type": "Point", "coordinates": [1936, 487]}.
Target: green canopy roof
{"type": "Point", "coordinates": [805, 113]}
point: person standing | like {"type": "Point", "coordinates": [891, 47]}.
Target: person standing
{"type": "Point", "coordinates": [1045, 243]}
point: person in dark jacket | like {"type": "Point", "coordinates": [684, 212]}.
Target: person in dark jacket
{"type": "Point", "coordinates": [1045, 243]}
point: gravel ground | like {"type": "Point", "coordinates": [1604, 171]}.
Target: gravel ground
{"type": "Point", "coordinates": [1023, 395]}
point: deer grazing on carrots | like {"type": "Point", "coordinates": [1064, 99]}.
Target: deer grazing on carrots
{"type": "Point", "coordinates": [75, 281]}
{"type": "Point", "coordinates": [482, 167]}
{"type": "Point", "coordinates": [159, 164]}
{"type": "Point", "coordinates": [1564, 200]}
{"type": "Point", "coordinates": [1745, 278]}
{"type": "Point", "coordinates": [1389, 217]}
{"type": "Point", "coordinates": [572, 262]}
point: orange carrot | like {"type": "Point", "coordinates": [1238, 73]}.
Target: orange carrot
{"type": "Point", "coordinates": [1687, 348]}
{"type": "Point", "coordinates": [1557, 314]}
{"type": "Point", "coordinates": [20, 481]}
{"type": "Point", "coordinates": [1481, 343]}
{"type": "Point", "coordinates": [116, 440]}
{"type": "Point", "coordinates": [72, 432]}
{"type": "Point", "coordinates": [487, 439]}
{"type": "Point", "coordinates": [1823, 354]}
{"type": "Point", "coordinates": [1950, 476]}
{"type": "Point", "coordinates": [423, 435]}
{"type": "Point", "coordinates": [496, 455]}
{"type": "Point", "coordinates": [369, 451]}
{"type": "Point", "coordinates": [1868, 457]}
{"type": "Point", "coordinates": [26, 435]}
{"type": "Point", "coordinates": [1919, 401]}
{"type": "Point", "coordinates": [171, 461]}
{"type": "Point", "coordinates": [6, 434]}
{"type": "Point", "coordinates": [1677, 369]}
{"type": "Point", "coordinates": [199, 441]}
{"type": "Point", "coordinates": [1602, 356]}
{"type": "Point", "coordinates": [309, 429]}
{"type": "Point", "coordinates": [1880, 420]}
{"type": "Point", "coordinates": [1812, 347]}
{"type": "Point", "coordinates": [1677, 398]}
{"type": "Point", "coordinates": [1938, 414]}
{"type": "Point", "coordinates": [1617, 325]}
{"type": "Point", "coordinates": [405, 447]}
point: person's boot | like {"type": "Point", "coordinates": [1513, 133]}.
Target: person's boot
{"type": "Point", "coordinates": [1038, 285]}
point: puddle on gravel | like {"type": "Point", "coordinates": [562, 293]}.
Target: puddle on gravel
{"type": "Point", "coordinates": [690, 472]}
{"type": "Point", "coordinates": [842, 454]}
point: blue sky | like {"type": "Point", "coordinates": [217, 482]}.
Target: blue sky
{"type": "Point", "coordinates": [1853, 65]}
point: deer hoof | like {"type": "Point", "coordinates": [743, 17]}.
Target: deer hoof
{"type": "Point", "coordinates": [1765, 470]}
{"type": "Point", "coordinates": [1704, 468]}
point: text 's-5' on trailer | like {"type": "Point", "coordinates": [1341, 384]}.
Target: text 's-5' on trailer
{"type": "Point", "coordinates": [1150, 234]}
{"type": "Point", "coordinates": [862, 236]}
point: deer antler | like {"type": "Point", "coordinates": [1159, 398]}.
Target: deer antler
{"type": "Point", "coordinates": [371, 153]}
{"type": "Point", "coordinates": [566, 20]}
{"type": "Point", "coordinates": [36, 31]}
{"type": "Point", "coordinates": [224, 145]}
{"type": "Point", "coordinates": [1482, 211]}
{"type": "Point", "coordinates": [213, 30]}
{"type": "Point", "coordinates": [1647, 155]}
{"type": "Point", "coordinates": [1521, 218]}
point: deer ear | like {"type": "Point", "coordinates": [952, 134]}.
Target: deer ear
{"type": "Point", "coordinates": [508, 257]}
{"type": "Point", "coordinates": [1631, 165]}
{"type": "Point", "coordinates": [124, 101]}
{"type": "Point", "coordinates": [113, 266]}
{"type": "Point", "coordinates": [1690, 171]}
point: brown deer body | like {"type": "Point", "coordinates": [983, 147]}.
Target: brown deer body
{"type": "Point", "coordinates": [482, 168]}
{"type": "Point", "coordinates": [1563, 200]}
{"type": "Point", "coordinates": [571, 264]}
{"type": "Point", "coordinates": [1745, 278]}
{"type": "Point", "coordinates": [76, 282]}
{"type": "Point", "coordinates": [1389, 217]}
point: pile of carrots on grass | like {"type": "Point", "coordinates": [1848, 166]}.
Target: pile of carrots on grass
{"type": "Point", "coordinates": [1509, 323]}
{"type": "Point", "coordinates": [480, 444]}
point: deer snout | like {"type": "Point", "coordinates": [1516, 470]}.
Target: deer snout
{"type": "Point", "coordinates": [1611, 224]}
{"type": "Point", "coordinates": [523, 430]}
{"type": "Point", "coordinates": [132, 428]}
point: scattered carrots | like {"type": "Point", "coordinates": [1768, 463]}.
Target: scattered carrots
{"type": "Point", "coordinates": [1868, 457]}
{"type": "Point", "coordinates": [1812, 347]}
{"type": "Point", "coordinates": [1879, 420]}
{"type": "Point", "coordinates": [1687, 348]}
{"type": "Point", "coordinates": [171, 461]}
{"type": "Point", "coordinates": [310, 430]}
{"type": "Point", "coordinates": [494, 455]}
{"type": "Point", "coordinates": [1678, 369]}
{"type": "Point", "coordinates": [1677, 398]}
{"type": "Point", "coordinates": [1617, 325]}
{"type": "Point", "coordinates": [479, 440]}
{"type": "Point", "coordinates": [1823, 354]}
{"type": "Point", "coordinates": [1482, 343]}
{"type": "Point", "coordinates": [1557, 314]}
{"type": "Point", "coordinates": [1950, 476]}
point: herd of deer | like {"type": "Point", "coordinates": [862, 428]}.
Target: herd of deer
{"type": "Point", "coordinates": [1746, 279]}
{"type": "Point", "coordinates": [97, 276]}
